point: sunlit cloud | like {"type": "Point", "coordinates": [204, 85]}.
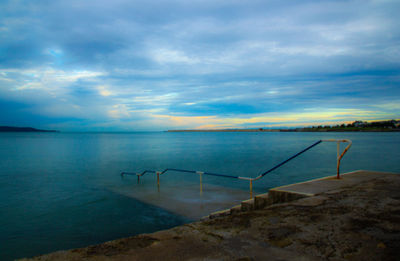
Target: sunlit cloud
{"type": "Point", "coordinates": [104, 90]}
{"type": "Point", "coordinates": [390, 106]}
{"type": "Point", "coordinates": [165, 56]}
{"type": "Point", "coordinates": [119, 111]}
{"type": "Point", "coordinates": [46, 78]}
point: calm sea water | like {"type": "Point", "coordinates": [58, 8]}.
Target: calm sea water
{"type": "Point", "coordinates": [61, 190]}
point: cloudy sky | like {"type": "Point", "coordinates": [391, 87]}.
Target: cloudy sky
{"type": "Point", "coordinates": [126, 65]}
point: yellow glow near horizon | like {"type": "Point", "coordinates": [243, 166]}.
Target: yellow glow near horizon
{"type": "Point", "coordinates": [290, 119]}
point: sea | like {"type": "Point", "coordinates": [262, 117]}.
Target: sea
{"type": "Point", "coordinates": [65, 190]}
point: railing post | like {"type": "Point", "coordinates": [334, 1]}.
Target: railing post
{"type": "Point", "coordinates": [158, 181]}
{"type": "Point", "coordinates": [338, 159]}
{"type": "Point", "coordinates": [201, 184]}
{"type": "Point", "coordinates": [201, 181]}
{"type": "Point", "coordinates": [340, 155]}
{"type": "Point", "coordinates": [251, 188]}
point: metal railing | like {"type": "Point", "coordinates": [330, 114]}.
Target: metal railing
{"type": "Point", "coordinates": [250, 179]}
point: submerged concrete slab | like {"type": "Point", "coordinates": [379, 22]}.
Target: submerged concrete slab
{"type": "Point", "coordinates": [186, 199]}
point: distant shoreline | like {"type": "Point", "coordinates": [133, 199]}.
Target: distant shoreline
{"type": "Point", "coordinates": [357, 126]}
{"type": "Point", "coordinates": [22, 129]}
{"type": "Point", "coordinates": [292, 130]}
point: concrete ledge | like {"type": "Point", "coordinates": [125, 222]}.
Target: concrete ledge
{"type": "Point", "coordinates": [261, 201]}
{"type": "Point", "coordinates": [236, 209]}
{"type": "Point", "coordinates": [222, 213]}
{"type": "Point", "coordinates": [248, 205]}
{"type": "Point", "coordinates": [281, 196]}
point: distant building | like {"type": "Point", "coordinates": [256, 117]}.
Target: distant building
{"type": "Point", "coordinates": [359, 124]}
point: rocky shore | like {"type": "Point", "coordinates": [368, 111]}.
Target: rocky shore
{"type": "Point", "coordinates": [360, 222]}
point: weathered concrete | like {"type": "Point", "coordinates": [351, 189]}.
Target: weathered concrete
{"type": "Point", "coordinates": [353, 221]}
{"type": "Point", "coordinates": [248, 205]}
{"type": "Point", "coordinates": [306, 189]}
{"type": "Point", "coordinates": [262, 200]}
{"type": "Point", "coordinates": [323, 185]}
{"type": "Point", "coordinates": [317, 186]}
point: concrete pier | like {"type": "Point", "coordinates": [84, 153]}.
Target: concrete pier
{"type": "Point", "coordinates": [305, 189]}
{"type": "Point", "coordinates": [354, 218]}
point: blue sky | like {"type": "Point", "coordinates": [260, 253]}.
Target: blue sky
{"type": "Point", "coordinates": [155, 65]}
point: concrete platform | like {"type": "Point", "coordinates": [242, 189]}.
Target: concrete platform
{"type": "Point", "coordinates": [306, 189]}
{"type": "Point", "coordinates": [327, 184]}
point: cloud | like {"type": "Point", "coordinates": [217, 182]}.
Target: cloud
{"type": "Point", "coordinates": [165, 56]}
{"type": "Point", "coordinates": [122, 64]}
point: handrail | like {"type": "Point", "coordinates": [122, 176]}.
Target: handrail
{"type": "Point", "coordinates": [340, 156]}
{"type": "Point", "coordinates": [289, 159]}
{"type": "Point", "coordinates": [179, 170]}
{"type": "Point", "coordinates": [250, 179]}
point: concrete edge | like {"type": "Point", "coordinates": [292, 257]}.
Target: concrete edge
{"type": "Point", "coordinates": [317, 179]}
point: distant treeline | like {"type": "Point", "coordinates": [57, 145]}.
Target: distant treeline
{"type": "Point", "coordinates": [389, 125]}
{"type": "Point", "coordinates": [22, 129]}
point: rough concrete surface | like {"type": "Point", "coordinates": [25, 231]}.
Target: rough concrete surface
{"type": "Point", "coordinates": [359, 222]}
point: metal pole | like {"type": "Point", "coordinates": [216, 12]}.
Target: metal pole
{"type": "Point", "coordinates": [251, 188]}
{"type": "Point", "coordinates": [201, 184]}
{"type": "Point", "coordinates": [201, 181]}
{"type": "Point", "coordinates": [338, 159]}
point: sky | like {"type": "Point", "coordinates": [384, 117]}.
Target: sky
{"type": "Point", "coordinates": [127, 65]}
